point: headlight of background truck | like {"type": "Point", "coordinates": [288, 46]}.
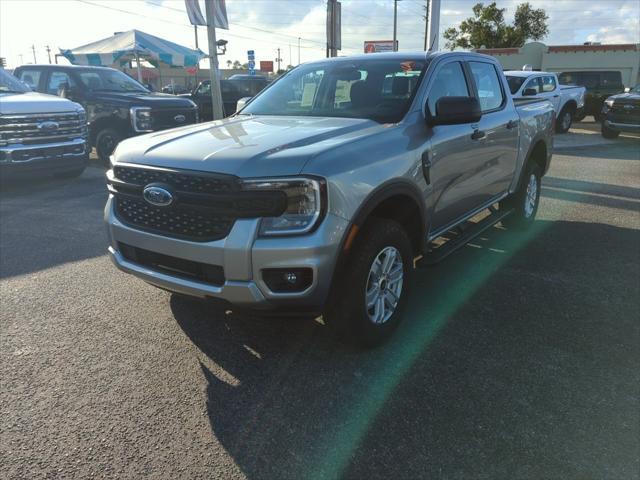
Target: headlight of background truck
{"type": "Point", "coordinates": [141, 119]}
{"type": "Point", "coordinates": [306, 204]}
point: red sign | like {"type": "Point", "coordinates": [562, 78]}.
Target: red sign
{"type": "Point", "coordinates": [266, 66]}
{"type": "Point", "coordinates": [375, 46]}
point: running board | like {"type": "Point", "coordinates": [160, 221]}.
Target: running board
{"type": "Point", "coordinates": [461, 236]}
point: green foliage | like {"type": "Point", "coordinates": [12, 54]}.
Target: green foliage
{"type": "Point", "coordinates": [487, 28]}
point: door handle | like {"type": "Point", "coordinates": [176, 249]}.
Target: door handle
{"type": "Point", "coordinates": [556, 96]}
{"type": "Point", "coordinates": [478, 134]}
{"type": "Point", "coordinates": [426, 167]}
{"type": "Point", "coordinates": [511, 124]}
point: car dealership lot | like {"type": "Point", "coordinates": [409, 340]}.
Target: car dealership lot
{"type": "Point", "coordinates": [520, 357]}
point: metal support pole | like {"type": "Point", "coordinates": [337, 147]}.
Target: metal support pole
{"type": "Point", "coordinates": [195, 32]}
{"type": "Point", "coordinates": [434, 26]}
{"type": "Point", "coordinates": [33, 49]}
{"type": "Point", "coordinates": [395, 25]}
{"type": "Point", "coordinates": [138, 67]}
{"type": "Point", "coordinates": [216, 96]}
{"type": "Point", "coordinates": [298, 50]}
{"type": "Point", "coordinates": [49, 54]}
{"type": "Point", "coordinates": [426, 24]}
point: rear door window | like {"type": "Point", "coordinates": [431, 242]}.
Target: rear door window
{"type": "Point", "coordinates": [488, 85]}
{"type": "Point", "coordinates": [534, 84]}
{"type": "Point", "coordinates": [30, 77]}
{"type": "Point", "coordinates": [548, 83]}
{"type": "Point", "coordinates": [611, 80]}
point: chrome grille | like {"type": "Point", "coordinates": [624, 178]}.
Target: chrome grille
{"type": "Point", "coordinates": [38, 128]}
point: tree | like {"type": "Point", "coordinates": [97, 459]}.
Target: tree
{"type": "Point", "coordinates": [487, 28]}
{"type": "Point", "coordinates": [229, 63]}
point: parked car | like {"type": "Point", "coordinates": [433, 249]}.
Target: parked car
{"type": "Point", "coordinates": [621, 113]}
{"type": "Point", "coordinates": [567, 100]}
{"type": "Point", "coordinates": [39, 133]}
{"type": "Point", "coordinates": [117, 106]}
{"type": "Point", "coordinates": [310, 202]}
{"type": "Point", "coordinates": [600, 85]}
{"type": "Point", "coordinates": [174, 89]}
{"type": "Point", "coordinates": [232, 90]}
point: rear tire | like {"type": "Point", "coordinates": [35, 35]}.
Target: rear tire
{"type": "Point", "coordinates": [369, 301]}
{"type": "Point", "coordinates": [526, 200]}
{"type": "Point", "coordinates": [608, 133]}
{"type": "Point", "coordinates": [564, 120]}
{"type": "Point", "coordinates": [106, 142]}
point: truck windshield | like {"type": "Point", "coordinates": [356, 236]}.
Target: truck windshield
{"type": "Point", "coordinates": [379, 90]}
{"type": "Point", "coordinates": [110, 80]}
{"type": "Point", "coordinates": [10, 84]}
{"type": "Point", "coordinates": [515, 83]}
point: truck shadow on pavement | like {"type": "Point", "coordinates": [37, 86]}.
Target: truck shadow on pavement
{"type": "Point", "coordinates": [47, 222]}
{"type": "Point", "coordinates": [519, 358]}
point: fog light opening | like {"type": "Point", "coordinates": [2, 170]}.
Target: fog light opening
{"type": "Point", "coordinates": [287, 280]}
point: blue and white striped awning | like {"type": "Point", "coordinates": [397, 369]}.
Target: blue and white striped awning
{"type": "Point", "coordinates": [126, 45]}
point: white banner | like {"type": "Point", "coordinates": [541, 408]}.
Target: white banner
{"type": "Point", "coordinates": [196, 17]}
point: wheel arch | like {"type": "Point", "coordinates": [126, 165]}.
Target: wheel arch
{"type": "Point", "coordinates": [113, 122]}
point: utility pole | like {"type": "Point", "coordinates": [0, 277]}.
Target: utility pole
{"type": "Point", "coordinates": [49, 54]}
{"type": "Point", "coordinates": [395, 25]}
{"type": "Point", "coordinates": [195, 33]}
{"type": "Point", "coordinates": [33, 49]}
{"type": "Point", "coordinates": [298, 50]}
{"type": "Point", "coordinates": [290, 59]}
{"type": "Point", "coordinates": [278, 59]}
{"type": "Point", "coordinates": [216, 96]}
{"type": "Point", "coordinates": [333, 30]}
{"type": "Point", "coordinates": [426, 24]}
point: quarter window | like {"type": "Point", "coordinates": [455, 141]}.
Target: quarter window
{"type": "Point", "coordinates": [488, 84]}
{"type": "Point", "coordinates": [449, 81]}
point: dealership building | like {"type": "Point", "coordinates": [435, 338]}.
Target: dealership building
{"type": "Point", "coordinates": [624, 58]}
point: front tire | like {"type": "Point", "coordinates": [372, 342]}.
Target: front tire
{"type": "Point", "coordinates": [106, 142]}
{"type": "Point", "coordinates": [564, 120]}
{"type": "Point", "coordinates": [608, 133]}
{"type": "Point", "coordinates": [526, 200]}
{"type": "Point", "coordinates": [368, 303]}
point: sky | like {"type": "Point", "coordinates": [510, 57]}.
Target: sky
{"type": "Point", "coordinates": [266, 25]}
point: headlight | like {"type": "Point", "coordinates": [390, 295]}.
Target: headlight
{"type": "Point", "coordinates": [141, 119]}
{"type": "Point", "coordinates": [306, 203]}
{"type": "Point", "coordinates": [609, 102]}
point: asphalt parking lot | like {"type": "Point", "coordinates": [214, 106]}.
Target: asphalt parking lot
{"type": "Point", "coordinates": [520, 358]}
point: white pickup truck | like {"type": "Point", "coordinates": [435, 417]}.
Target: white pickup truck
{"type": "Point", "coordinates": [567, 100]}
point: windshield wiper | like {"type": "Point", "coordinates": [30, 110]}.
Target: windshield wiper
{"type": "Point", "coordinates": [12, 91]}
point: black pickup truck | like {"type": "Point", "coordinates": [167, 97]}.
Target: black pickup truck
{"type": "Point", "coordinates": [117, 106]}
{"type": "Point", "coordinates": [232, 90]}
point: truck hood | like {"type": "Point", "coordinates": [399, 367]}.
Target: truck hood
{"type": "Point", "coordinates": [245, 145]}
{"type": "Point", "coordinates": [152, 99]}
{"type": "Point", "coordinates": [626, 98]}
{"type": "Point", "coordinates": [32, 102]}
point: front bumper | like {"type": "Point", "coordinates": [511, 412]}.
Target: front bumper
{"type": "Point", "coordinates": [622, 127]}
{"type": "Point", "coordinates": [243, 256]}
{"type": "Point", "coordinates": [48, 158]}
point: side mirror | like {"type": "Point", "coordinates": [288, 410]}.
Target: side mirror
{"type": "Point", "coordinates": [456, 110]}
{"type": "Point", "coordinates": [242, 102]}
{"type": "Point", "coordinates": [530, 92]}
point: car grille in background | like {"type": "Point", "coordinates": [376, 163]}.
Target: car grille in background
{"type": "Point", "coordinates": [205, 205]}
{"type": "Point", "coordinates": [166, 118]}
{"type": "Point", "coordinates": [624, 113]}
{"type": "Point", "coordinates": [28, 129]}
{"type": "Point", "coordinates": [212, 274]}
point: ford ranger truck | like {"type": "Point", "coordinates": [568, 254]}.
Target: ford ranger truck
{"type": "Point", "coordinates": [39, 134]}
{"type": "Point", "coordinates": [319, 194]}
{"type": "Point", "coordinates": [568, 100]}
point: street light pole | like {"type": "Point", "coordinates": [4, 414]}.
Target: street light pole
{"type": "Point", "coordinates": [216, 96]}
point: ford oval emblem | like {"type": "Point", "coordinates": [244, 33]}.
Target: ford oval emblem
{"type": "Point", "coordinates": [180, 118]}
{"type": "Point", "coordinates": [158, 196]}
{"type": "Point", "coordinates": [48, 126]}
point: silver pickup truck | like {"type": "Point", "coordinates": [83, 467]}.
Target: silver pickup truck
{"type": "Point", "coordinates": [317, 197]}
{"type": "Point", "coordinates": [39, 134]}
